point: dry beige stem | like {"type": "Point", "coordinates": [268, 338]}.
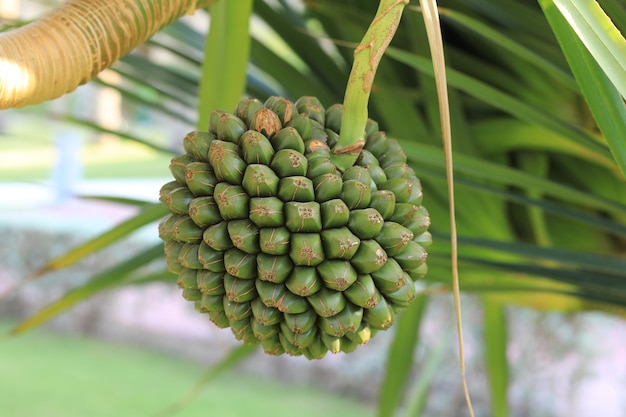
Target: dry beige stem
{"type": "Point", "coordinates": [72, 44]}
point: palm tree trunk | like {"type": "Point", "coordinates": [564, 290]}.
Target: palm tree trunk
{"type": "Point", "coordinates": [66, 48]}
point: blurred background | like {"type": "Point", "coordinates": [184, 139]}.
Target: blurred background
{"type": "Point", "coordinates": [76, 167]}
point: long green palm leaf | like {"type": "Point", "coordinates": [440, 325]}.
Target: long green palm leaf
{"type": "Point", "coordinates": [114, 276]}
{"type": "Point", "coordinates": [604, 100]}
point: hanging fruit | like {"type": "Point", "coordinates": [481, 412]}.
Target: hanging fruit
{"type": "Point", "coordinates": [270, 237]}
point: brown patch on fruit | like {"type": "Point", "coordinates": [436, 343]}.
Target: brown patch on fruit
{"type": "Point", "coordinates": [315, 145]}
{"type": "Point", "coordinates": [266, 121]}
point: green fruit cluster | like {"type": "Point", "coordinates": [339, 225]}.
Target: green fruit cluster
{"type": "Point", "coordinates": [270, 238]}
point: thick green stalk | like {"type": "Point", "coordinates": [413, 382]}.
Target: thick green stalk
{"type": "Point", "coordinates": [366, 59]}
{"type": "Point", "coordinates": [226, 52]}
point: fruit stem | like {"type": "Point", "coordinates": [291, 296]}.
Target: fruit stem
{"type": "Point", "coordinates": [367, 56]}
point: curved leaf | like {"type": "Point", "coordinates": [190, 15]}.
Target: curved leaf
{"type": "Point", "coordinates": [400, 357]}
{"type": "Point", "coordinates": [511, 45]}
{"type": "Point", "coordinates": [503, 101]}
{"type": "Point", "coordinates": [234, 357]}
{"type": "Point", "coordinates": [105, 280]}
{"type": "Point", "coordinates": [599, 35]}
{"type": "Point", "coordinates": [418, 394]}
{"type": "Point", "coordinates": [122, 135]}
{"type": "Point", "coordinates": [150, 213]}
{"type": "Point", "coordinates": [611, 268]}
{"type": "Point", "coordinates": [605, 103]}
{"type": "Point", "coordinates": [500, 174]}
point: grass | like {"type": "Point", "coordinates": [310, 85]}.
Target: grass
{"type": "Point", "coordinates": [48, 375]}
{"type": "Point", "coordinates": [28, 152]}
{"type": "Point", "coordinates": [153, 165]}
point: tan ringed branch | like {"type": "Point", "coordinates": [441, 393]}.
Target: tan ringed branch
{"type": "Point", "coordinates": [72, 44]}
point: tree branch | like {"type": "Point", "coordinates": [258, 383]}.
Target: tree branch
{"type": "Point", "coordinates": [72, 44]}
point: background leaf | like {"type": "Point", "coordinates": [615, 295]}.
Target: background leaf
{"type": "Point", "coordinates": [604, 101]}
{"type": "Point", "coordinates": [496, 358]}
{"type": "Point", "coordinates": [226, 55]}
{"type": "Point", "coordinates": [112, 277]}
{"type": "Point", "coordinates": [151, 213]}
{"type": "Point", "coordinates": [400, 357]}
{"type": "Point", "coordinates": [600, 37]}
